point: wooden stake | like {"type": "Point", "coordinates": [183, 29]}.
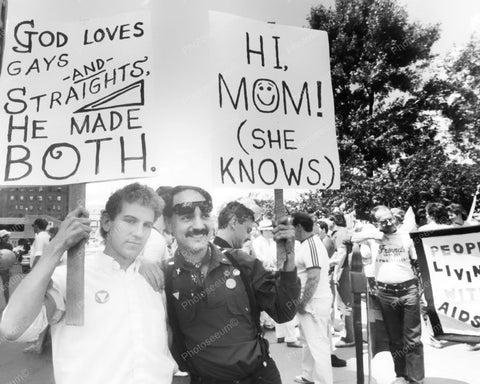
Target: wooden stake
{"type": "Point", "coordinates": [279, 213]}
{"type": "Point", "coordinates": [75, 300]}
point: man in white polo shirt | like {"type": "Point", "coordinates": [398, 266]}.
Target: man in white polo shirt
{"type": "Point", "coordinates": [124, 338]}
{"type": "Point", "coordinates": [315, 302]}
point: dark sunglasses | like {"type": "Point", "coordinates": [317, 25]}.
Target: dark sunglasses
{"type": "Point", "coordinates": [188, 208]}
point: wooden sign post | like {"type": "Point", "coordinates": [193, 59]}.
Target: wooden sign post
{"type": "Point", "coordinates": [358, 283]}
{"type": "Point", "coordinates": [279, 213]}
{"type": "Point", "coordinates": [75, 299]}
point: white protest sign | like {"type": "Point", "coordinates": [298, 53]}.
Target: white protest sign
{"type": "Point", "coordinates": [273, 112]}
{"type": "Point", "coordinates": [453, 260]}
{"type": "Point", "coordinates": [75, 99]}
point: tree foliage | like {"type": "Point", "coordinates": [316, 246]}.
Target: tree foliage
{"type": "Point", "coordinates": [386, 120]}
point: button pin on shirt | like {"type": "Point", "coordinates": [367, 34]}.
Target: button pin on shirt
{"type": "Point", "coordinates": [102, 297]}
{"type": "Point", "coordinates": [231, 283]}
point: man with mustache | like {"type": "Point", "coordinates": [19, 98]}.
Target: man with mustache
{"type": "Point", "coordinates": [398, 293]}
{"type": "Point", "coordinates": [124, 336]}
{"type": "Point", "coordinates": [214, 297]}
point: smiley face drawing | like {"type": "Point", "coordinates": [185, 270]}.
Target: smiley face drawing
{"type": "Point", "coordinates": [265, 95]}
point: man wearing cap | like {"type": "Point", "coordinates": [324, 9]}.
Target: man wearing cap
{"type": "Point", "coordinates": [7, 259]}
{"type": "Point", "coordinates": [214, 297]}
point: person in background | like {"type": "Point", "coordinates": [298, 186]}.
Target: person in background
{"type": "Point", "coordinates": [156, 248]}
{"type": "Point", "coordinates": [341, 237]}
{"type": "Point", "coordinates": [458, 216]}
{"type": "Point", "coordinates": [315, 303]}
{"type": "Point", "coordinates": [235, 225]}
{"type": "Point", "coordinates": [437, 216]}
{"type": "Point", "coordinates": [124, 336]}
{"type": "Point", "coordinates": [321, 229]}
{"type": "Point", "coordinates": [214, 297]}
{"type": "Point", "coordinates": [7, 259]}
{"type": "Point", "coordinates": [397, 288]}
{"type": "Point", "coordinates": [265, 250]}
{"type": "Point", "coordinates": [420, 218]}
{"type": "Point", "coordinates": [399, 215]}
{"type": "Point", "coordinates": [42, 238]}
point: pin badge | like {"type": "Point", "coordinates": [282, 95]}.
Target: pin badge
{"type": "Point", "coordinates": [236, 272]}
{"type": "Point", "coordinates": [226, 273]}
{"type": "Point", "coordinates": [231, 283]}
{"type": "Point", "coordinates": [102, 297]}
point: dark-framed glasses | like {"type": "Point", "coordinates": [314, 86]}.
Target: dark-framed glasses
{"type": "Point", "coordinates": [188, 208]}
{"type": "Point", "coordinates": [390, 220]}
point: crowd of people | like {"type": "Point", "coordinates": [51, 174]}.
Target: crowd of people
{"type": "Point", "coordinates": [167, 269]}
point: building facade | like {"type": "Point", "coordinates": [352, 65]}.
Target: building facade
{"type": "Point", "coordinates": [34, 201]}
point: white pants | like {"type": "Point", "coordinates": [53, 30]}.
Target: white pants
{"type": "Point", "coordinates": [315, 333]}
{"type": "Point", "coordinates": [287, 330]}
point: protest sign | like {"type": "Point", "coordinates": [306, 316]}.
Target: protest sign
{"type": "Point", "coordinates": [273, 113]}
{"type": "Point", "coordinates": [75, 97]}
{"type": "Point", "coordinates": [450, 267]}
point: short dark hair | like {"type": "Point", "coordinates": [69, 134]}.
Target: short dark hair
{"type": "Point", "coordinates": [168, 211]}
{"type": "Point", "coordinates": [41, 223]}
{"type": "Point", "coordinates": [132, 193]}
{"type": "Point", "coordinates": [304, 219]}
{"type": "Point", "coordinates": [234, 208]}
{"type": "Point", "coordinates": [457, 209]}
{"type": "Point", "coordinates": [339, 219]}
{"type": "Point", "coordinates": [323, 225]}
{"type": "Point", "coordinates": [438, 212]}
{"type": "Point", "coordinates": [421, 217]}
{"type": "Point", "coordinates": [163, 191]}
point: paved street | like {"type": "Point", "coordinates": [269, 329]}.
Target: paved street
{"type": "Point", "coordinates": [454, 364]}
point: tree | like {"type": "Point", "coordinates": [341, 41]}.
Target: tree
{"type": "Point", "coordinates": [378, 58]}
{"type": "Point", "coordinates": [454, 90]}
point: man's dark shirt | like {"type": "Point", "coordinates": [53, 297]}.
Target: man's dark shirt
{"type": "Point", "coordinates": [218, 241]}
{"type": "Point", "coordinates": [213, 312]}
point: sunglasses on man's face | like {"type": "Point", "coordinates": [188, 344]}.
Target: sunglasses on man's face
{"type": "Point", "coordinates": [188, 208]}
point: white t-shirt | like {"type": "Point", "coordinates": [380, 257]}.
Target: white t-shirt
{"type": "Point", "coordinates": [392, 262]}
{"type": "Point", "coordinates": [124, 338]}
{"type": "Point", "coordinates": [156, 247]}
{"type": "Point", "coordinates": [311, 253]}
{"type": "Point", "coordinates": [266, 251]}
{"type": "Point", "coordinates": [433, 226]}
{"type": "Point", "coordinates": [41, 240]}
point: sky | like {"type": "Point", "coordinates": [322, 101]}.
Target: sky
{"type": "Point", "coordinates": [457, 20]}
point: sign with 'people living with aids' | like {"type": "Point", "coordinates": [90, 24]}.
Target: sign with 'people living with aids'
{"type": "Point", "coordinates": [74, 97]}
{"type": "Point", "coordinates": [273, 109]}
{"type": "Point", "coordinates": [449, 260]}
